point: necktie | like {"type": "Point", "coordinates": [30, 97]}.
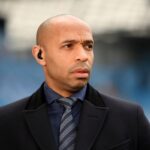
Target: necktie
{"type": "Point", "coordinates": [67, 133]}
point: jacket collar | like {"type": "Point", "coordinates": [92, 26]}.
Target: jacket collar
{"type": "Point", "coordinates": [36, 116]}
{"type": "Point", "coordinates": [38, 98]}
{"type": "Point", "coordinates": [92, 119]}
{"type": "Point", "coordinates": [93, 116]}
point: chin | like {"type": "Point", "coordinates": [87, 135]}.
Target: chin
{"type": "Point", "coordinates": [79, 85]}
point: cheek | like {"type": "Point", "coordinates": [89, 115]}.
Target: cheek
{"type": "Point", "coordinates": [91, 58]}
{"type": "Point", "coordinates": [51, 64]}
{"type": "Point", "coordinates": [56, 67]}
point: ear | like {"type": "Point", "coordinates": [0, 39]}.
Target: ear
{"type": "Point", "coordinates": [35, 52]}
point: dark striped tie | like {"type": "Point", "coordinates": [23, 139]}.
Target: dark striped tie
{"type": "Point", "coordinates": [67, 134]}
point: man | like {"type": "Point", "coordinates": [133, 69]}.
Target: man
{"type": "Point", "coordinates": [91, 120]}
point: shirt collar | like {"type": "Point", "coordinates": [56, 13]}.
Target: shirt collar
{"type": "Point", "coordinates": [51, 95]}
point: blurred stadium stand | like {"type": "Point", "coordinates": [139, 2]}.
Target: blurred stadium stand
{"type": "Point", "coordinates": [122, 50]}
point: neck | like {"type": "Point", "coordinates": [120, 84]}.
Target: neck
{"type": "Point", "coordinates": [62, 92]}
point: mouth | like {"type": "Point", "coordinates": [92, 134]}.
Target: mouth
{"type": "Point", "coordinates": [81, 72]}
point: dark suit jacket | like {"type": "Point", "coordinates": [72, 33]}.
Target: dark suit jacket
{"type": "Point", "coordinates": [105, 124]}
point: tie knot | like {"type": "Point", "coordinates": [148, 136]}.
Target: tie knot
{"type": "Point", "coordinates": [67, 102]}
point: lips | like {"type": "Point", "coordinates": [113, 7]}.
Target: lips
{"type": "Point", "coordinates": [81, 72]}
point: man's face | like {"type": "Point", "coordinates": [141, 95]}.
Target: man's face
{"type": "Point", "coordinates": [69, 56]}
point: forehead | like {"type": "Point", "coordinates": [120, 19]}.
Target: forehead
{"type": "Point", "coordinates": [63, 28]}
{"type": "Point", "coordinates": [72, 31]}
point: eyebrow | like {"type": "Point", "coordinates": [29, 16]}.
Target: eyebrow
{"type": "Point", "coordinates": [88, 41]}
{"type": "Point", "coordinates": [75, 41]}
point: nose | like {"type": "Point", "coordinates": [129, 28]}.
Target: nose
{"type": "Point", "coordinates": [81, 54]}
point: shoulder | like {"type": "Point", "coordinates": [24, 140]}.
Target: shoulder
{"type": "Point", "coordinates": [126, 111]}
{"type": "Point", "coordinates": [123, 110]}
{"type": "Point", "coordinates": [120, 103]}
{"type": "Point", "coordinates": [13, 108]}
{"type": "Point", "coordinates": [116, 105]}
{"type": "Point", "coordinates": [34, 100]}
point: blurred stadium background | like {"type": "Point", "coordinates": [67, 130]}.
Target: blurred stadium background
{"type": "Point", "coordinates": [122, 45]}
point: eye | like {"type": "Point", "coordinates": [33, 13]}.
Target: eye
{"type": "Point", "coordinates": [69, 45]}
{"type": "Point", "coordinates": [88, 46]}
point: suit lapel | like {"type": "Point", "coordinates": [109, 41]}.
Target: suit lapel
{"type": "Point", "coordinates": [39, 126]}
{"type": "Point", "coordinates": [92, 119]}
{"type": "Point", "coordinates": [91, 123]}
{"type": "Point", "coordinates": [36, 116]}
